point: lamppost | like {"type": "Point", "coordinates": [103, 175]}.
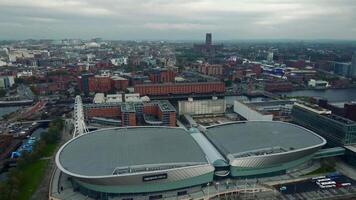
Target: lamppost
{"type": "Point", "coordinates": [208, 184]}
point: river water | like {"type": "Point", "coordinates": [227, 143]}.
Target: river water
{"type": "Point", "coordinates": [7, 110]}
{"type": "Point", "coordinates": [332, 95]}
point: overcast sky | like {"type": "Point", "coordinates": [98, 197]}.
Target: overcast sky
{"type": "Point", "coordinates": [178, 19]}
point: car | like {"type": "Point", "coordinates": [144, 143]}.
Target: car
{"type": "Point", "coordinates": [345, 184]}
{"type": "Point", "coordinates": [283, 188]}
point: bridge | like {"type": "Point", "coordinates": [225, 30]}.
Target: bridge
{"type": "Point", "coordinates": [257, 93]}
{"type": "Point", "coordinates": [34, 121]}
{"type": "Point", "coordinates": [329, 152]}
{"type": "Point", "coordinates": [78, 118]}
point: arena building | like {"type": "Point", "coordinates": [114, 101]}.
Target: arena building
{"type": "Point", "coordinates": [134, 160]}
{"type": "Point", "coordinates": [111, 162]}
{"type": "Point", "coordinates": [260, 148]}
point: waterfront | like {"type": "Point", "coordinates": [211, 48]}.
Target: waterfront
{"type": "Point", "coordinates": [37, 133]}
{"type": "Point", "coordinates": [8, 110]}
{"type": "Point", "coordinates": [332, 95]}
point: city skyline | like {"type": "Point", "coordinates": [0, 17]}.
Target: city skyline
{"type": "Point", "coordinates": [178, 19]}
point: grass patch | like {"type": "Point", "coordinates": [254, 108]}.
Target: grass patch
{"type": "Point", "coordinates": [322, 170]}
{"type": "Point", "coordinates": [49, 150]}
{"type": "Point", "coordinates": [32, 177]}
{"type": "Point", "coordinates": [24, 180]}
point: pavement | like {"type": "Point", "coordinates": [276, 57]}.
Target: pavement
{"type": "Point", "coordinates": [42, 191]}
{"type": "Point", "coordinates": [346, 169]}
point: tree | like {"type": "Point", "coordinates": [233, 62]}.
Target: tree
{"type": "Point", "coordinates": [228, 83]}
{"type": "Point", "coordinates": [53, 134]}
{"type": "Point", "coordinates": [2, 92]}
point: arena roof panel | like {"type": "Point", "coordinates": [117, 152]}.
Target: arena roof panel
{"type": "Point", "coordinates": [127, 150]}
{"type": "Point", "coordinates": [255, 138]}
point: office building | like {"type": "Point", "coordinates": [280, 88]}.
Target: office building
{"type": "Point", "coordinates": [208, 39]}
{"type": "Point", "coordinates": [279, 110]}
{"type": "Point", "coordinates": [353, 66]}
{"type": "Point", "coordinates": [6, 82]}
{"type": "Point", "coordinates": [337, 130]}
{"type": "Point", "coordinates": [157, 113]}
{"type": "Point", "coordinates": [342, 69]}
{"type": "Point", "coordinates": [83, 82]}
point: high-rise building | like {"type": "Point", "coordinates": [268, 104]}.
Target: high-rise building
{"type": "Point", "coordinates": [6, 82]}
{"type": "Point", "coordinates": [353, 66]}
{"type": "Point", "coordinates": [270, 57]}
{"type": "Point", "coordinates": [342, 69]}
{"type": "Point", "coordinates": [83, 81]}
{"type": "Point", "coordinates": [208, 39]}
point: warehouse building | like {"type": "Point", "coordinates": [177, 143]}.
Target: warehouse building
{"type": "Point", "coordinates": [202, 107]}
{"type": "Point", "coordinates": [166, 89]}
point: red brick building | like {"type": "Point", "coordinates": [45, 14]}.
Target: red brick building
{"type": "Point", "coordinates": [105, 112]}
{"type": "Point", "coordinates": [246, 71]}
{"type": "Point", "coordinates": [180, 88]}
{"type": "Point", "coordinates": [278, 86]}
{"type": "Point", "coordinates": [100, 84]}
{"type": "Point", "coordinates": [129, 114]}
{"type": "Point", "coordinates": [119, 83]}
{"type": "Point", "coordinates": [162, 76]}
{"type": "Point", "coordinates": [211, 70]}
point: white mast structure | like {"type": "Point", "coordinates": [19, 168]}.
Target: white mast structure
{"type": "Point", "coordinates": [79, 123]}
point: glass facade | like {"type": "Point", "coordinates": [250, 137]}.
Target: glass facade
{"type": "Point", "coordinates": [336, 130]}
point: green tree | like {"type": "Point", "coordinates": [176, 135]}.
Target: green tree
{"type": "Point", "coordinates": [2, 92]}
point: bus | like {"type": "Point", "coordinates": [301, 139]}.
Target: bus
{"type": "Point", "coordinates": [327, 184]}
{"type": "Point", "coordinates": [323, 180]}
{"type": "Point", "coordinates": [319, 177]}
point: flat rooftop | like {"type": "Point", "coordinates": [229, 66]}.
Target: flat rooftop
{"type": "Point", "coordinates": [128, 150]}
{"type": "Point", "coordinates": [128, 107]}
{"type": "Point", "coordinates": [166, 106]}
{"type": "Point", "coordinates": [253, 138]}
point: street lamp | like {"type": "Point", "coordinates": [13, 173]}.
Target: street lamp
{"type": "Point", "coordinates": [208, 184]}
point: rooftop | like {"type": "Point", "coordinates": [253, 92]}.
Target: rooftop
{"type": "Point", "coordinates": [165, 106]}
{"type": "Point", "coordinates": [174, 84]}
{"type": "Point", "coordinates": [341, 120]}
{"type": "Point", "coordinates": [128, 107]}
{"type": "Point", "coordinates": [128, 150]}
{"type": "Point", "coordinates": [313, 108]}
{"type": "Point", "coordinates": [245, 139]}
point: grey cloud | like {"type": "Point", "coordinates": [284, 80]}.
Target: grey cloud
{"type": "Point", "coordinates": [178, 19]}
